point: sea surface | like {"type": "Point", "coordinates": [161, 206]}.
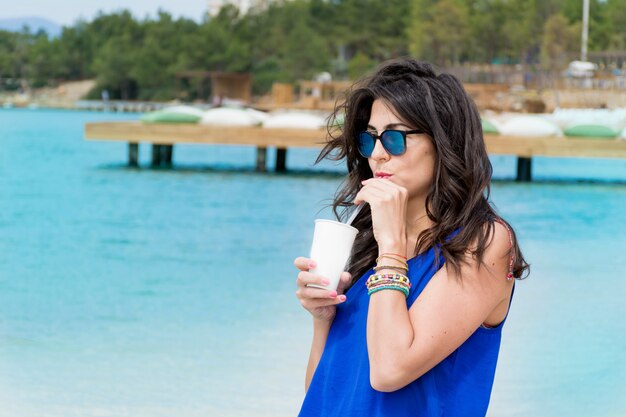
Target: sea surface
{"type": "Point", "coordinates": [153, 292]}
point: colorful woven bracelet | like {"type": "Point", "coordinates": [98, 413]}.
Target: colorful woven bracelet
{"type": "Point", "coordinates": [400, 280]}
{"type": "Point", "coordinates": [381, 276]}
{"type": "Point", "coordinates": [394, 277]}
{"type": "Point", "coordinates": [402, 283]}
{"type": "Point", "coordinates": [387, 282]}
{"type": "Point", "coordinates": [378, 282]}
{"type": "Point", "coordinates": [389, 287]}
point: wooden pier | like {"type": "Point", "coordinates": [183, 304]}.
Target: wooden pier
{"type": "Point", "coordinates": [163, 137]}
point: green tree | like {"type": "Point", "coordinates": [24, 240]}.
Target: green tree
{"type": "Point", "coordinates": [113, 64]}
{"type": "Point", "coordinates": [359, 65]}
{"type": "Point", "coordinates": [7, 47]}
{"type": "Point", "coordinates": [286, 44]}
{"type": "Point", "coordinates": [76, 52]}
{"type": "Point", "coordinates": [155, 64]}
{"type": "Point", "coordinates": [43, 61]}
{"type": "Point", "coordinates": [439, 30]}
{"type": "Point", "coordinates": [490, 33]}
{"type": "Point", "coordinates": [219, 46]}
{"type": "Point", "coordinates": [600, 27]}
{"type": "Point", "coordinates": [288, 40]}
{"type": "Point", "coordinates": [616, 27]}
{"type": "Point", "coordinates": [560, 39]}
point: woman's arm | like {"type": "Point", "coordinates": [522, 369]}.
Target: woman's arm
{"type": "Point", "coordinates": [404, 344]}
{"type": "Point", "coordinates": [320, 334]}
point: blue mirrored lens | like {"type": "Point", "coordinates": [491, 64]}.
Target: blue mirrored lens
{"type": "Point", "coordinates": [365, 144]}
{"type": "Point", "coordinates": [393, 142]}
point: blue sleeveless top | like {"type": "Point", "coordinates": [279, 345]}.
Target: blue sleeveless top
{"type": "Point", "coordinates": [459, 386]}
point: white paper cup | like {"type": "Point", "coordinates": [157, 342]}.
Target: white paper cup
{"type": "Point", "coordinates": [332, 244]}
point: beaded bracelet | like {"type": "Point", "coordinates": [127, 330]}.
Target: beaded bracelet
{"type": "Point", "coordinates": [383, 277]}
{"type": "Point", "coordinates": [389, 282]}
{"type": "Point", "coordinates": [378, 282]}
{"type": "Point", "coordinates": [386, 283]}
{"type": "Point", "coordinates": [388, 277]}
{"type": "Point", "coordinates": [404, 290]}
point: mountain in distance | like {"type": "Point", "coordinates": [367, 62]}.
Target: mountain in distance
{"type": "Point", "coordinates": [34, 24]}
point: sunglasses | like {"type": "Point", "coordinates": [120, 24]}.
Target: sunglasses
{"type": "Point", "coordinates": [394, 141]}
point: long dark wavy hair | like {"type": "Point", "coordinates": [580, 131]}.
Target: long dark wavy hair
{"type": "Point", "coordinates": [459, 195]}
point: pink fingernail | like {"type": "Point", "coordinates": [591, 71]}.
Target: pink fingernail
{"type": "Point", "coordinates": [342, 298]}
{"type": "Point", "coordinates": [325, 282]}
{"type": "Point", "coordinates": [312, 264]}
{"type": "Point", "coordinates": [333, 294]}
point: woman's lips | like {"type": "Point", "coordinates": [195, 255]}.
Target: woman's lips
{"type": "Point", "coordinates": [382, 175]}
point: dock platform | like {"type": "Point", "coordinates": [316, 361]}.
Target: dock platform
{"type": "Point", "coordinates": [163, 137]}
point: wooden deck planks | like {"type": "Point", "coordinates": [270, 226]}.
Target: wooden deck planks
{"type": "Point", "coordinates": [170, 134]}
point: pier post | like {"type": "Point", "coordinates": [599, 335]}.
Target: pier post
{"type": "Point", "coordinates": [156, 155]}
{"type": "Point", "coordinates": [261, 157]}
{"type": "Point", "coordinates": [281, 159]}
{"type": "Point", "coordinates": [524, 169]}
{"type": "Point", "coordinates": [133, 155]}
{"type": "Point", "coordinates": [166, 155]}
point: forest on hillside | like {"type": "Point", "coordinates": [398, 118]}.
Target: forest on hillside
{"type": "Point", "coordinates": [292, 40]}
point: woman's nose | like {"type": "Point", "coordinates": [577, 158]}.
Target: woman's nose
{"type": "Point", "coordinates": [379, 152]}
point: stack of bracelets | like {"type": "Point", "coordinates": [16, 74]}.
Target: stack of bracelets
{"type": "Point", "coordinates": [397, 281]}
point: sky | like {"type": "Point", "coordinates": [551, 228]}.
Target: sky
{"type": "Point", "coordinates": [66, 12]}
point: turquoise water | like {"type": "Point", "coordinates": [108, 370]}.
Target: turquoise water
{"type": "Point", "coordinates": [171, 292]}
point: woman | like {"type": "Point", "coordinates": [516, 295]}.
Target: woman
{"type": "Point", "coordinates": [414, 327]}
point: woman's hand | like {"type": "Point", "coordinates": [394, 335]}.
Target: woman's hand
{"type": "Point", "coordinates": [388, 203]}
{"type": "Point", "coordinates": [320, 303]}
